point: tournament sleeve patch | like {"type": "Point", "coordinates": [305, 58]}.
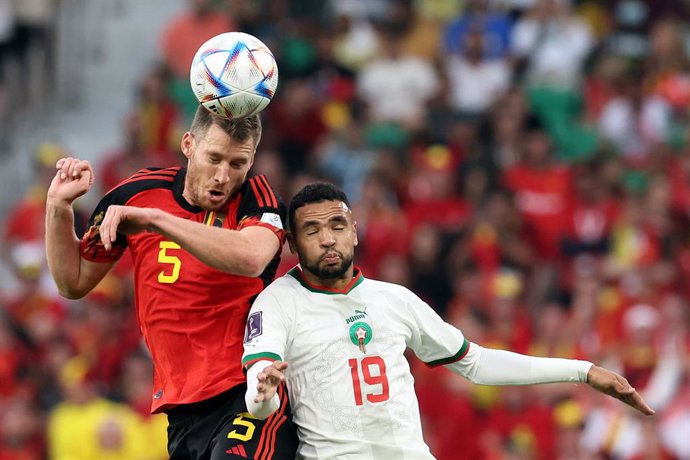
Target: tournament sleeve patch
{"type": "Point", "coordinates": [254, 326]}
{"type": "Point", "coordinates": [272, 219]}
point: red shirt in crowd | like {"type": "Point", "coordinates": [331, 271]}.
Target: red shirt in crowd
{"type": "Point", "coordinates": [542, 197]}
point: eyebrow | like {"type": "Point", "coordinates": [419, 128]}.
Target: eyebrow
{"type": "Point", "coordinates": [337, 219]}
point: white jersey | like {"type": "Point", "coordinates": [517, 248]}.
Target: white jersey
{"type": "Point", "coordinates": [349, 383]}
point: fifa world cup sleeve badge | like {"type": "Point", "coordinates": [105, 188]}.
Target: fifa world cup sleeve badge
{"type": "Point", "coordinates": [360, 335]}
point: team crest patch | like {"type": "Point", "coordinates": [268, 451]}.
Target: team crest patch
{"type": "Point", "coordinates": [360, 335]}
{"type": "Point", "coordinates": [254, 326]}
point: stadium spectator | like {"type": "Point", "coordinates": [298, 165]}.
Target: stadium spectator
{"type": "Point", "coordinates": [553, 42]}
{"type": "Point", "coordinates": [180, 41]}
{"type": "Point", "coordinates": [635, 122]}
{"type": "Point", "coordinates": [133, 155]}
{"type": "Point", "coordinates": [184, 35]}
{"type": "Point", "coordinates": [478, 15]}
{"type": "Point", "coordinates": [402, 100]}
{"type": "Point", "coordinates": [475, 82]}
{"type": "Point", "coordinates": [160, 117]}
{"type": "Point", "coordinates": [542, 189]}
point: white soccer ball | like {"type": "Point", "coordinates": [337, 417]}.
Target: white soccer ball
{"type": "Point", "coordinates": [234, 75]}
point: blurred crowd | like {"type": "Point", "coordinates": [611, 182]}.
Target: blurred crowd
{"type": "Point", "coordinates": [27, 53]}
{"type": "Point", "coordinates": [522, 165]}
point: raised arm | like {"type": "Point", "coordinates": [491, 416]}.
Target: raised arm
{"type": "Point", "coordinates": [73, 275]}
{"type": "Point", "coordinates": [245, 252]}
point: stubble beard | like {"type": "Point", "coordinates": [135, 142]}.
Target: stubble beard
{"type": "Point", "coordinates": [329, 272]}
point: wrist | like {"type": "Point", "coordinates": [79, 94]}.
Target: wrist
{"type": "Point", "coordinates": [55, 202]}
{"type": "Point", "coordinates": [590, 372]}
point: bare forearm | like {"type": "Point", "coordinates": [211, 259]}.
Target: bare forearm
{"type": "Point", "coordinates": [222, 249]}
{"type": "Point", "coordinates": [62, 248]}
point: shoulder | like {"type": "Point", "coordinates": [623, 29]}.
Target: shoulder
{"type": "Point", "coordinates": [284, 285]}
{"type": "Point", "coordinates": [258, 191]}
{"type": "Point", "coordinates": [279, 289]}
{"type": "Point", "coordinates": [280, 294]}
{"type": "Point", "coordinates": [387, 289]}
{"type": "Point", "coordinates": [142, 180]}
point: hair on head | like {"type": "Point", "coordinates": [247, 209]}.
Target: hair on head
{"type": "Point", "coordinates": [315, 193]}
{"type": "Point", "coordinates": [239, 129]}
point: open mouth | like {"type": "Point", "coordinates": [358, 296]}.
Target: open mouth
{"type": "Point", "coordinates": [216, 195]}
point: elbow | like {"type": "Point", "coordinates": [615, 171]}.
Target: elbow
{"type": "Point", "coordinates": [252, 265]}
{"type": "Point", "coordinates": [71, 293]}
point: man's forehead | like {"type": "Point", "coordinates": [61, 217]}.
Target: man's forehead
{"type": "Point", "coordinates": [323, 209]}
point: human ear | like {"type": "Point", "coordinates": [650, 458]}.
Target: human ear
{"type": "Point", "coordinates": [186, 144]}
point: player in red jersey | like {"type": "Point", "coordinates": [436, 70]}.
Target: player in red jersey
{"type": "Point", "coordinates": [205, 241]}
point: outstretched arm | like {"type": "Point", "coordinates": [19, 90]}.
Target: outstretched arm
{"type": "Point", "coordinates": [498, 367]}
{"type": "Point", "coordinates": [73, 275]}
{"type": "Point", "coordinates": [263, 378]}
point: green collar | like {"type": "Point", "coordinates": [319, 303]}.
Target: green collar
{"type": "Point", "coordinates": [357, 279]}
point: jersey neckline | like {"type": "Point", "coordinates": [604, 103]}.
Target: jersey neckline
{"type": "Point", "coordinates": [357, 278]}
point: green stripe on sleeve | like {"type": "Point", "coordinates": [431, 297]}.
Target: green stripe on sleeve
{"type": "Point", "coordinates": [259, 356]}
{"type": "Point", "coordinates": [451, 359]}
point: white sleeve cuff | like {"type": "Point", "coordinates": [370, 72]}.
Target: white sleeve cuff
{"type": "Point", "coordinates": [263, 409]}
{"type": "Point", "coordinates": [486, 366]}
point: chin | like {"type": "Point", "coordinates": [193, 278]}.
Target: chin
{"type": "Point", "coordinates": [214, 207]}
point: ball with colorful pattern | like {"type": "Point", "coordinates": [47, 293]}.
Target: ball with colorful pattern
{"type": "Point", "coordinates": [234, 75]}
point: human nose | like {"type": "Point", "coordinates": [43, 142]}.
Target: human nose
{"type": "Point", "coordinates": [327, 238]}
{"type": "Point", "coordinates": [222, 174]}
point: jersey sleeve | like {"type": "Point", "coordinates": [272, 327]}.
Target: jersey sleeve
{"type": "Point", "coordinates": [91, 246]}
{"type": "Point", "coordinates": [433, 340]}
{"type": "Point", "coordinates": [267, 330]}
{"type": "Point", "coordinates": [262, 206]}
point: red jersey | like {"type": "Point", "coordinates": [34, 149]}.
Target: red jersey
{"type": "Point", "coordinates": [542, 197]}
{"type": "Point", "coordinates": [192, 316]}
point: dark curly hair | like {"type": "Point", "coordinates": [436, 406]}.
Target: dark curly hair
{"type": "Point", "coordinates": [315, 193]}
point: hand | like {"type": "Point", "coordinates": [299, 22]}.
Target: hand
{"type": "Point", "coordinates": [612, 384]}
{"type": "Point", "coordinates": [127, 220]}
{"type": "Point", "coordinates": [74, 178]}
{"type": "Point", "coordinates": [269, 379]}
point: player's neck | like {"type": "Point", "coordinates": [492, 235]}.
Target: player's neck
{"type": "Point", "coordinates": [339, 283]}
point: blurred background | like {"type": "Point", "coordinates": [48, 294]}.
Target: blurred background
{"type": "Point", "coordinates": [522, 165]}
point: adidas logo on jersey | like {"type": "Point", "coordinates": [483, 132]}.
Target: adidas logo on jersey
{"type": "Point", "coordinates": [237, 450]}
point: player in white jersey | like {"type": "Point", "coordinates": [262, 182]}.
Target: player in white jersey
{"type": "Point", "coordinates": [345, 337]}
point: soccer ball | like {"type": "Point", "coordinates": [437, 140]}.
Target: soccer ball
{"type": "Point", "coordinates": [234, 75]}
